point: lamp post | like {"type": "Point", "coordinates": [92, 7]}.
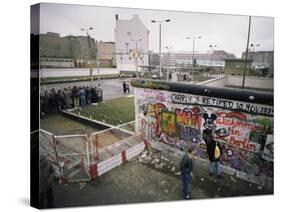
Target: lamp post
{"type": "Point", "coordinates": [97, 62]}
{"type": "Point", "coordinates": [246, 54]}
{"type": "Point", "coordinates": [254, 55]}
{"type": "Point", "coordinates": [160, 61]}
{"type": "Point", "coordinates": [193, 46]}
{"type": "Point", "coordinates": [168, 70]}
{"type": "Point", "coordinates": [253, 46]}
{"type": "Point", "coordinates": [253, 51]}
{"type": "Point", "coordinates": [212, 46]}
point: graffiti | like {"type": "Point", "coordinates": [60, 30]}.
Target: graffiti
{"type": "Point", "coordinates": [143, 108]}
{"type": "Point", "coordinates": [188, 118]}
{"type": "Point", "coordinates": [157, 110]}
{"type": "Point", "coordinates": [186, 99]}
{"type": "Point", "coordinates": [229, 152]}
{"type": "Point", "coordinates": [222, 132]}
{"type": "Point", "coordinates": [231, 122]}
{"type": "Point", "coordinates": [209, 121]}
{"type": "Point", "coordinates": [244, 129]}
{"type": "Point", "coordinates": [189, 134]}
{"type": "Point", "coordinates": [202, 146]}
{"type": "Point", "coordinates": [168, 123]}
{"type": "Point", "coordinates": [159, 96]}
{"type": "Point", "coordinates": [268, 149]}
{"type": "Point", "coordinates": [235, 114]}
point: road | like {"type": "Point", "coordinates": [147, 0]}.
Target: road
{"type": "Point", "coordinates": [112, 88]}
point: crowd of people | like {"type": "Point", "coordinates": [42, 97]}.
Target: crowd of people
{"type": "Point", "coordinates": [52, 101]}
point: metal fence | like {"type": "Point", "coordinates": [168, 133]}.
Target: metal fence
{"type": "Point", "coordinates": [74, 155]}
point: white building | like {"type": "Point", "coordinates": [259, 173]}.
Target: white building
{"type": "Point", "coordinates": [129, 35]}
{"type": "Point", "coordinates": [216, 58]}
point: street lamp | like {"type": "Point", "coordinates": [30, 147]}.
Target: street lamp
{"type": "Point", "coordinates": [193, 46]}
{"type": "Point", "coordinates": [212, 46]}
{"type": "Point", "coordinates": [87, 29]}
{"type": "Point", "coordinates": [168, 70]}
{"type": "Point", "coordinates": [253, 46]}
{"type": "Point", "coordinates": [160, 22]}
{"type": "Point", "coordinates": [97, 62]}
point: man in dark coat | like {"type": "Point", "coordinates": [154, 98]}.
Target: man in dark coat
{"type": "Point", "coordinates": [124, 87]}
{"type": "Point", "coordinates": [186, 168]}
{"type": "Point", "coordinates": [214, 152]}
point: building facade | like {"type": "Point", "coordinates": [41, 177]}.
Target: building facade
{"type": "Point", "coordinates": [131, 35]}
{"type": "Point", "coordinates": [236, 67]}
{"type": "Point", "coordinates": [215, 59]}
{"type": "Point", "coordinates": [76, 47]}
{"type": "Point", "coordinates": [106, 53]}
{"type": "Point", "coordinates": [263, 62]}
{"type": "Point", "coordinates": [75, 52]}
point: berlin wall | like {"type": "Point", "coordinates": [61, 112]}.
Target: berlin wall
{"type": "Point", "coordinates": [177, 114]}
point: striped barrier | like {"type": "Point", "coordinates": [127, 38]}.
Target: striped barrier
{"type": "Point", "coordinates": [100, 168]}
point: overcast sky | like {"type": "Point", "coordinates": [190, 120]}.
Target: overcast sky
{"type": "Point", "coordinates": [228, 32]}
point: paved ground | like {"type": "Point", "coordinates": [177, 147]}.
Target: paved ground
{"type": "Point", "coordinates": [138, 182]}
{"type": "Point", "coordinates": [112, 88]}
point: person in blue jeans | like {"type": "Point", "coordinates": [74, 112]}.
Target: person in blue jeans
{"type": "Point", "coordinates": [82, 95]}
{"type": "Point", "coordinates": [186, 168]}
{"type": "Point", "coordinates": [214, 152]}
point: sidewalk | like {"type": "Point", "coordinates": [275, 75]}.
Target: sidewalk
{"type": "Point", "coordinates": [138, 182]}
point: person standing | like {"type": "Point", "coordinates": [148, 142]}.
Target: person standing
{"type": "Point", "coordinates": [68, 100]}
{"type": "Point", "coordinates": [124, 87]}
{"type": "Point", "coordinates": [128, 88]}
{"type": "Point", "coordinates": [89, 96]}
{"type": "Point", "coordinates": [75, 96]}
{"type": "Point", "coordinates": [82, 95]}
{"type": "Point", "coordinates": [99, 93]}
{"type": "Point", "coordinates": [214, 152]}
{"type": "Point", "coordinates": [186, 168]}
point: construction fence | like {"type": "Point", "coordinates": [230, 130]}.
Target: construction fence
{"type": "Point", "coordinates": [82, 157]}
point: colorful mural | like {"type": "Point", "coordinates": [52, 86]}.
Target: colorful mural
{"type": "Point", "coordinates": [244, 130]}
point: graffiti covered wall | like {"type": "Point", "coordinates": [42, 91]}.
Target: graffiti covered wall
{"type": "Point", "coordinates": [244, 129]}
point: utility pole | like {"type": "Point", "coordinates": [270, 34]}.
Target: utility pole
{"type": "Point", "coordinates": [246, 56]}
{"type": "Point", "coordinates": [160, 60]}
{"type": "Point", "coordinates": [193, 48]}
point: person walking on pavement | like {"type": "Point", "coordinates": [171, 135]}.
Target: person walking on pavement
{"type": "Point", "coordinates": [214, 152]}
{"type": "Point", "coordinates": [128, 88]}
{"type": "Point", "coordinates": [186, 168]}
{"type": "Point", "coordinates": [124, 87]}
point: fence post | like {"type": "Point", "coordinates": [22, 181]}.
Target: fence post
{"type": "Point", "coordinates": [97, 147]}
{"type": "Point", "coordinates": [57, 157]}
{"type": "Point", "coordinates": [87, 153]}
